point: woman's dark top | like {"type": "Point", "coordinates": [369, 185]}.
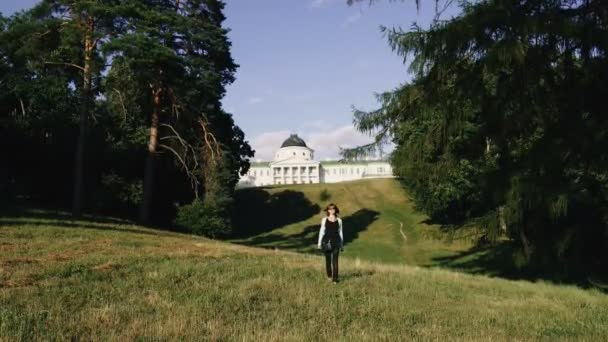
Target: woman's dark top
{"type": "Point", "coordinates": [331, 232]}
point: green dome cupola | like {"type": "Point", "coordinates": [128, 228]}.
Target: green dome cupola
{"type": "Point", "coordinates": [293, 140]}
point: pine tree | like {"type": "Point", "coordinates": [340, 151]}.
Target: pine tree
{"type": "Point", "coordinates": [82, 27]}
{"type": "Point", "coordinates": [182, 53]}
{"type": "Point", "coordinates": [505, 112]}
{"type": "Point", "coordinates": [167, 64]}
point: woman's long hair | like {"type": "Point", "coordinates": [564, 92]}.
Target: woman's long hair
{"type": "Point", "coordinates": [332, 205]}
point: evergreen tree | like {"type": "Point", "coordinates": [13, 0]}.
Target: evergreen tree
{"type": "Point", "coordinates": [181, 52]}
{"type": "Point", "coordinates": [36, 106]}
{"type": "Point", "coordinates": [80, 28]}
{"type": "Point", "coordinates": [504, 123]}
{"type": "Point", "coordinates": [169, 63]}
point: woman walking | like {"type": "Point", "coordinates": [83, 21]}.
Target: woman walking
{"type": "Point", "coordinates": [331, 240]}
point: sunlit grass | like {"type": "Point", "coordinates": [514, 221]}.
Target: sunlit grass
{"type": "Point", "coordinates": [385, 206]}
{"type": "Point", "coordinates": [112, 281]}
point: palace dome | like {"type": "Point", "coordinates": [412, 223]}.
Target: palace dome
{"type": "Point", "coordinates": [293, 140]}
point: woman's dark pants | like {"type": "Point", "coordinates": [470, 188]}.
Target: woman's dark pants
{"type": "Point", "coordinates": [331, 264]}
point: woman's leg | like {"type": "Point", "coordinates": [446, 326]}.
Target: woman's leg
{"type": "Point", "coordinates": [334, 265]}
{"type": "Point", "coordinates": [328, 263]}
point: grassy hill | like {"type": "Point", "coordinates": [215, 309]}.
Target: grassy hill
{"type": "Point", "coordinates": [109, 280]}
{"type": "Point", "coordinates": [288, 217]}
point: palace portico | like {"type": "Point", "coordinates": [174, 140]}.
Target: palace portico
{"type": "Point", "coordinates": [294, 164]}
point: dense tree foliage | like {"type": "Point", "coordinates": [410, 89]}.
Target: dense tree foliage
{"type": "Point", "coordinates": [504, 124]}
{"type": "Point", "coordinates": [127, 91]}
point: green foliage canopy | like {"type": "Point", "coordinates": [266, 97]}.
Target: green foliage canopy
{"type": "Point", "coordinates": [50, 78]}
{"type": "Point", "coordinates": [504, 121]}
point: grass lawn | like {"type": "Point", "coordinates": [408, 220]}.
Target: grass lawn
{"type": "Point", "coordinates": [90, 280]}
{"type": "Point", "coordinates": [288, 218]}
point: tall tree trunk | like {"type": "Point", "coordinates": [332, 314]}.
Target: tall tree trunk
{"type": "Point", "coordinates": [89, 47]}
{"type": "Point", "coordinates": [525, 242]}
{"type": "Point", "coordinates": [144, 214]}
{"type": "Point", "coordinates": [501, 208]}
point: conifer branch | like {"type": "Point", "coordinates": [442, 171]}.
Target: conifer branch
{"type": "Point", "coordinates": [66, 64]}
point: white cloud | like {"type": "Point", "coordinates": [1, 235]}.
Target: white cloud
{"type": "Point", "coordinates": [266, 144]}
{"type": "Point", "coordinates": [317, 124]}
{"type": "Point", "coordinates": [318, 3]}
{"type": "Point", "coordinates": [323, 3]}
{"type": "Point", "coordinates": [327, 143]}
{"type": "Point", "coordinates": [255, 100]}
{"type": "Point", "coordinates": [324, 140]}
{"type": "Point", "coordinates": [351, 19]}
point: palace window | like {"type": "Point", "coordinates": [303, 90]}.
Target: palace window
{"type": "Point", "coordinates": [357, 170]}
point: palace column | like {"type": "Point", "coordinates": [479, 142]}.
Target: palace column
{"type": "Point", "coordinates": [284, 173]}
{"type": "Point", "coordinates": [310, 170]}
{"type": "Point", "coordinates": [299, 174]}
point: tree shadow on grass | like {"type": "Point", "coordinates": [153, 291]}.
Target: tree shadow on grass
{"type": "Point", "coordinates": [357, 222]}
{"type": "Point", "coordinates": [5, 223]}
{"type": "Point", "coordinates": [306, 240]}
{"type": "Point", "coordinates": [497, 261]}
{"type": "Point", "coordinates": [51, 214]}
{"type": "Point", "coordinates": [257, 211]}
{"type": "Point", "coordinates": [355, 274]}
{"type": "Point", "coordinates": [494, 261]}
{"type": "Point", "coordinates": [48, 218]}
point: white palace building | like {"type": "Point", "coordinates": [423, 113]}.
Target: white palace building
{"type": "Point", "coordinates": [294, 164]}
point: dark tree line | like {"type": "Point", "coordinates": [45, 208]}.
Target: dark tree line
{"type": "Point", "coordinates": [113, 107]}
{"type": "Point", "coordinates": [505, 126]}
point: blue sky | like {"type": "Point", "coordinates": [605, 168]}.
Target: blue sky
{"type": "Point", "coordinates": [304, 64]}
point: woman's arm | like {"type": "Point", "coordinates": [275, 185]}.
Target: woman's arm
{"type": "Point", "coordinates": [340, 231]}
{"type": "Point", "coordinates": [321, 232]}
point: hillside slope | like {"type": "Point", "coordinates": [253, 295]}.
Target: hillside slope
{"type": "Point", "coordinates": [62, 279]}
{"type": "Point", "coordinates": [288, 217]}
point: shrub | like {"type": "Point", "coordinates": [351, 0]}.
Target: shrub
{"type": "Point", "coordinates": [118, 194]}
{"type": "Point", "coordinates": [325, 195]}
{"type": "Point", "coordinates": [208, 218]}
